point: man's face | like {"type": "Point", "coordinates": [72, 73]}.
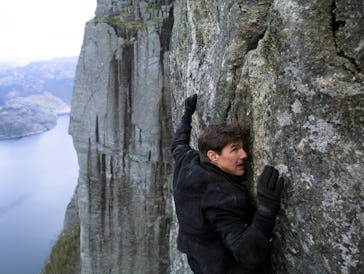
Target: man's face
{"type": "Point", "coordinates": [232, 158]}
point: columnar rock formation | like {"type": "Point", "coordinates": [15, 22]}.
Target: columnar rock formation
{"type": "Point", "coordinates": [291, 71]}
{"type": "Point", "coordinates": [121, 128]}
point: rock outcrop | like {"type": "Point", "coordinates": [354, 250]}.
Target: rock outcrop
{"type": "Point", "coordinates": [291, 71]}
{"type": "Point", "coordinates": [121, 127]}
{"type": "Point", "coordinates": [24, 116]}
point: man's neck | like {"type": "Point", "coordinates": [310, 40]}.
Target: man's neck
{"type": "Point", "coordinates": [235, 179]}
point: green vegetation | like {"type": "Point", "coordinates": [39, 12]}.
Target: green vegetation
{"type": "Point", "coordinates": [129, 20]}
{"type": "Point", "coordinates": [129, 43]}
{"type": "Point", "coordinates": [155, 20]}
{"type": "Point", "coordinates": [65, 254]}
{"type": "Point", "coordinates": [118, 20]}
{"type": "Point", "coordinates": [155, 7]}
{"type": "Point", "coordinates": [134, 25]}
{"type": "Point", "coordinates": [125, 14]}
{"type": "Point", "coordinates": [114, 20]}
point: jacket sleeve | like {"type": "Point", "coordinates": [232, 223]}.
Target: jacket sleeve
{"type": "Point", "coordinates": [181, 138]}
{"type": "Point", "coordinates": [227, 216]}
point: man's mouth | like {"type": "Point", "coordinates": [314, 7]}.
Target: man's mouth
{"type": "Point", "coordinates": [241, 165]}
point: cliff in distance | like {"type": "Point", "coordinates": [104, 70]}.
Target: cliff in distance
{"type": "Point", "coordinates": [291, 71]}
{"type": "Point", "coordinates": [55, 76]}
{"type": "Point", "coordinates": [32, 96]}
{"type": "Point", "coordinates": [24, 116]}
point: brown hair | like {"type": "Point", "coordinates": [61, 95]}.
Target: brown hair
{"type": "Point", "coordinates": [216, 137]}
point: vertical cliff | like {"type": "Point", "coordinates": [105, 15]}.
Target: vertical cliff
{"type": "Point", "coordinates": [121, 128]}
{"type": "Point", "coordinates": [292, 71]}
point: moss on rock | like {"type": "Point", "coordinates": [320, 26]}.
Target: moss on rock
{"type": "Point", "coordinates": [65, 254]}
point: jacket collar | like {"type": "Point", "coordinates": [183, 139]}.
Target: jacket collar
{"type": "Point", "coordinates": [216, 169]}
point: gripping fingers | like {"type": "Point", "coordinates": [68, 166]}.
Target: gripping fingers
{"type": "Point", "coordinates": [191, 101]}
{"type": "Point", "coordinates": [266, 174]}
{"type": "Point", "coordinates": [273, 179]}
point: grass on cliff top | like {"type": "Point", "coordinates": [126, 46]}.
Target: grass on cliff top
{"type": "Point", "coordinates": [65, 254]}
{"type": "Point", "coordinates": [135, 24]}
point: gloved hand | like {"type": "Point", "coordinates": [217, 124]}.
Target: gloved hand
{"type": "Point", "coordinates": [269, 191]}
{"type": "Point", "coordinates": [190, 104]}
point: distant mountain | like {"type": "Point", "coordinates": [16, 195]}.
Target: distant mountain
{"type": "Point", "coordinates": [24, 116]}
{"type": "Point", "coordinates": [32, 96]}
{"type": "Point", "coordinates": [5, 66]}
{"type": "Point", "coordinates": [55, 76]}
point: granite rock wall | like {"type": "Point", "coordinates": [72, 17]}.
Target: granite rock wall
{"type": "Point", "coordinates": [291, 71]}
{"type": "Point", "coordinates": [120, 126]}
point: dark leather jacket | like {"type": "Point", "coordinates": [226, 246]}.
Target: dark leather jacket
{"type": "Point", "coordinates": [214, 215]}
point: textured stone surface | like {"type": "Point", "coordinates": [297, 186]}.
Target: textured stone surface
{"type": "Point", "coordinates": [120, 125]}
{"type": "Point", "coordinates": [291, 71]}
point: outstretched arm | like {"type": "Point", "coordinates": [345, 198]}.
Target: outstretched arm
{"type": "Point", "coordinates": [181, 138]}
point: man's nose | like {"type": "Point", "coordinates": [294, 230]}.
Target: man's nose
{"type": "Point", "coordinates": [243, 154]}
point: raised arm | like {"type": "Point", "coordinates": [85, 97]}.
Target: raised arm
{"type": "Point", "coordinates": [181, 138]}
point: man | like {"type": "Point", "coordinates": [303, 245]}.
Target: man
{"type": "Point", "coordinates": [217, 228]}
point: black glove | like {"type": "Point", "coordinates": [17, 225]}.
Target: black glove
{"type": "Point", "coordinates": [269, 191]}
{"type": "Point", "coordinates": [190, 105]}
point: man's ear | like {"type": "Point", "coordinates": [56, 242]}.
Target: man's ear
{"type": "Point", "coordinates": [212, 155]}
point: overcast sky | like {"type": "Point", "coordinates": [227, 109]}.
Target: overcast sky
{"type": "Point", "coordinates": [32, 30]}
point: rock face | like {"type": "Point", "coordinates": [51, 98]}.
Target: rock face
{"type": "Point", "coordinates": [121, 126]}
{"type": "Point", "coordinates": [291, 71]}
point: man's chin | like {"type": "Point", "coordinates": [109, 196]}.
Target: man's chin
{"type": "Point", "coordinates": [240, 172]}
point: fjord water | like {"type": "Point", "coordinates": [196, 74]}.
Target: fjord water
{"type": "Point", "coordinates": [38, 175]}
